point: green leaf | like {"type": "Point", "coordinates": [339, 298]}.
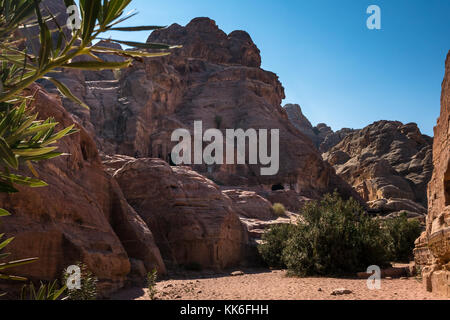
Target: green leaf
{"type": "Point", "coordinates": [97, 65]}
{"type": "Point", "coordinates": [7, 155]}
{"type": "Point", "coordinates": [50, 155]}
{"type": "Point", "coordinates": [13, 278]}
{"type": "Point", "coordinates": [4, 213]}
{"type": "Point", "coordinates": [129, 54]}
{"type": "Point", "coordinates": [144, 45]}
{"type": "Point", "coordinates": [63, 133]}
{"type": "Point", "coordinates": [27, 181]}
{"type": "Point", "coordinates": [5, 243]}
{"type": "Point", "coordinates": [140, 28]}
{"type": "Point", "coordinates": [13, 264]}
{"type": "Point", "coordinates": [66, 92]}
{"type": "Point", "coordinates": [31, 152]}
{"type": "Point", "coordinates": [89, 12]}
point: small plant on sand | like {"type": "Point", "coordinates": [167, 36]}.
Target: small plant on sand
{"type": "Point", "coordinates": [151, 284]}
{"type": "Point", "coordinates": [88, 290]}
{"type": "Point", "coordinates": [279, 209]}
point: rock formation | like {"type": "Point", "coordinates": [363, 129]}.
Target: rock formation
{"type": "Point", "coordinates": [302, 123]}
{"type": "Point", "coordinates": [323, 137]}
{"type": "Point", "coordinates": [192, 220]}
{"type": "Point", "coordinates": [135, 211]}
{"type": "Point", "coordinates": [81, 216]}
{"type": "Point", "coordinates": [433, 247]}
{"type": "Point", "coordinates": [388, 163]}
{"type": "Point", "coordinates": [215, 78]}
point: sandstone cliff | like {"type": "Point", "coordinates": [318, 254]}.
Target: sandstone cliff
{"type": "Point", "coordinates": [323, 137]}
{"type": "Point", "coordinates": [388, 163]}
{"type": "Point", "coordinates": [215, 78]}
{"type": "Point", "coordinates": [81, 216]}
{"type": "Point", "coordinates": [433, 247]}
{"type": "Point", "coordinates": [193, 221]}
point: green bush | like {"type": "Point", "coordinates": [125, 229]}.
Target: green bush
{"type": "Point", "coordinates": [336, 237]}
{"type": "Point", "coordinates": [274, 242]}
{"type": "Point", "coordinates": [401, 233]}
{"type": "Point", "coordinates": [279, 209]}
{"type": "Point", "coordinates": [88, 289]}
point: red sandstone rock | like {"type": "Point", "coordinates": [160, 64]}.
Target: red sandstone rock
{"type": "Point", "coordinates": [432, 251]}
{"type": "Point", "coordinates": [214, 76]}
{"type": "Point", "coordinates": [388, 163]}
{"type": "Point", "coordinates": [81, 216]}
{"type": "Point", "coordinates": [249, 204]}
{"type": "Point", "coordinates": [192, 220]}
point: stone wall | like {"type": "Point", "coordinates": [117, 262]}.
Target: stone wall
{"type": "Point", "coordinates": [433, 247]}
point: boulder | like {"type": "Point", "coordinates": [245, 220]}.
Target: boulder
{"type": "Point", "coordinates": [250, 205]}
{"type": "Point", "coordinates": [192, 220]}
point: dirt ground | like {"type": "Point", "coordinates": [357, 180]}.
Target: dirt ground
{"type": "Point", "coordinates": [275, 285]}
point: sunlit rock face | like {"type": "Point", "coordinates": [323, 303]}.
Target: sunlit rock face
{"type": "Point", "coordinates": [214, 78]}
{"type": "Point", "coordinates": [388, 163]}
{"type": "Point", "coordinates": [433, 247]}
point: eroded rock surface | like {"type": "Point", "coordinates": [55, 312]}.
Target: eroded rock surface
{"type": "Point", "coordinates": [432, 251]}
{"type": "Point", "coordinates": [192, 220]}
{"type": "Point", "coordinates": [388, 163]}
{"type": "Point", "coordinates": [81, 216]}
{"type": "Point", "coordinates": [323, 137]}
{"type": "Point", "coordinates": [215, 78]}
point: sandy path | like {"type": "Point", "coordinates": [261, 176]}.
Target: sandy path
{"type": "Point", "coordinates": [274, 285]}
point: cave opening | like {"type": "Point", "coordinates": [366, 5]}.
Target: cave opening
{"type": "Point", "coordinates": [277, 187]}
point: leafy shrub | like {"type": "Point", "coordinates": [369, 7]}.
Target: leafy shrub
{"type": "Point", "coordinates": [401, 234]}
{"type": "Point", "coordinates": [151, 284]}
{"type": "Point", "coordinates": [336, 238]}
{"type": "Point", "coordinates": [88, 290]}
{"type": "Point", "coordinates": [274, 242]}
{"type": "Point", "coordinates": [279, 209]}
{"type": "Point", "coordinates": [49, 291]}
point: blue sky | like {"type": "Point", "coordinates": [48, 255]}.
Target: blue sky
{"type": "Point", "coordinates": [340, 72]}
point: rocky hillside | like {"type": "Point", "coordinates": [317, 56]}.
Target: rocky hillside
{"type": "Point", "coordinates": [81, 216]}
{"type": "Point", "coordinates": [323, 137]}
{"type": "Point", "coordinates": [433, 247]}
{"type": "Point", "coordinates": [215, 78]}
{"type": "Point", "coordinates": [388, 163]}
